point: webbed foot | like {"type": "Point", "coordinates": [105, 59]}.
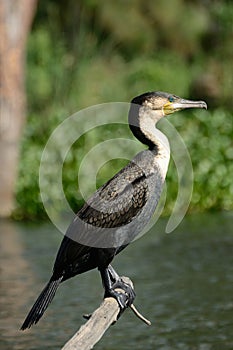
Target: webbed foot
{"type": "Point", "coordinates": [123, 293]}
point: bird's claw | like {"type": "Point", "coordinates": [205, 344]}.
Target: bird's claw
{"type": "Point", "coordinates": [124, 298]}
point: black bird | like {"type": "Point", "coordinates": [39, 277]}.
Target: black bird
{"type": "Point", "coordinates": [119, 210]}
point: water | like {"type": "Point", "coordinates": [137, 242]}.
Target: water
{"type": "Point", "coordinates": [183, 282]}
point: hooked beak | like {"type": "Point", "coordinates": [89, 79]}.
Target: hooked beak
{"type": "Point", "coordinates": [180, 104]}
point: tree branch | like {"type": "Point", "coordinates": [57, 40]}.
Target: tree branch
{"type": "Point", "coordinates": [101, 319]}
{"type": "Point", "coordinates": [92, 331]}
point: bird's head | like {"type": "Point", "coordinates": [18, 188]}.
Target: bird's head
{"type": "Point", "coordinates": [165, 103]}
{"type": "Point", "coordinates": [147, 109]}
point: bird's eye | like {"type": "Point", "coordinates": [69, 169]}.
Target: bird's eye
{"type": "Point", "coordinates": [171, 99]}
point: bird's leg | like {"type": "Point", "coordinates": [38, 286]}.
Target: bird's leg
{"type": "Point", "coordinates": [111, 281]}
{"type": "Point", "coordinates": [113, 274]}
{"type": "Point", "coordinates": [118, 282]}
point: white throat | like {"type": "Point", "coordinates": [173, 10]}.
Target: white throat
{"type": "Point", "coordinates": [147, 124]}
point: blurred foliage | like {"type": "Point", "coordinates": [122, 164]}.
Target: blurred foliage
{"type": "Point", "coordinates": [82, 53]}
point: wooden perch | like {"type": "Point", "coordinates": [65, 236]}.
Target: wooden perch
{"type": "Point", "coordinates": [101, 319]}
{"type": "Point", "coordinates": [92, 331]}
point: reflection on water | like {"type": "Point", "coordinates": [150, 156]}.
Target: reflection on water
{"type": "Point", "coordinates": [183, 282]}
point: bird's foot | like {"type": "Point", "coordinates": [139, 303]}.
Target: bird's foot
{"type": "Point", "coordinates": [123, 292]}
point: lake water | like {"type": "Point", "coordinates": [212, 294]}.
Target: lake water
{"type": "Point", "coordinates": [183, 282]}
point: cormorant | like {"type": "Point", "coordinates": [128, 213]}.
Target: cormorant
{"type": "Point", "coordinates": [118, 211]}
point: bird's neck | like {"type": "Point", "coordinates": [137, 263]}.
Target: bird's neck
{"type": "Point", "coordinates": [143, 125]}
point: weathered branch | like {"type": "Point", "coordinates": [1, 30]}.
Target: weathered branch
{"type": "Point", "coordinates": [101, 319]}
{"type": "Point", "coordinates": [92, 331]}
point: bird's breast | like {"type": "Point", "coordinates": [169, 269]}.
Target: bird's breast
{"type": "Point", "coordinates": [161, 161]}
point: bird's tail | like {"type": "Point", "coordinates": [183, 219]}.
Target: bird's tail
{"type": "Point", "coordinates": [41, 303]}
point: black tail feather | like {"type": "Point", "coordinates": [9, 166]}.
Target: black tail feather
{"type": "Point", "coordinates": [41, 303]}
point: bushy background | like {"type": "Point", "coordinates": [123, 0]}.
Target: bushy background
{"type": "Point", "coordinates": [82, 53]}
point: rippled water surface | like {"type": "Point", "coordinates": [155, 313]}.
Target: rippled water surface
{"type": "Point", "coordinates": [183, 282]}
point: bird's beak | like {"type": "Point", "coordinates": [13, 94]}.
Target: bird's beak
{"type": "Point", "coordinates": [180, 104]}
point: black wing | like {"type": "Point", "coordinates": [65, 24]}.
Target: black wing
{"type": "Point", "coordinates": [118, 201]}
{"type": "Point", "coordinates": [113, 205]}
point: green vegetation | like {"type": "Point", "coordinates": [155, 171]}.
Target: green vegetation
{"type": "Point", "coordinates": [82, 53]}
